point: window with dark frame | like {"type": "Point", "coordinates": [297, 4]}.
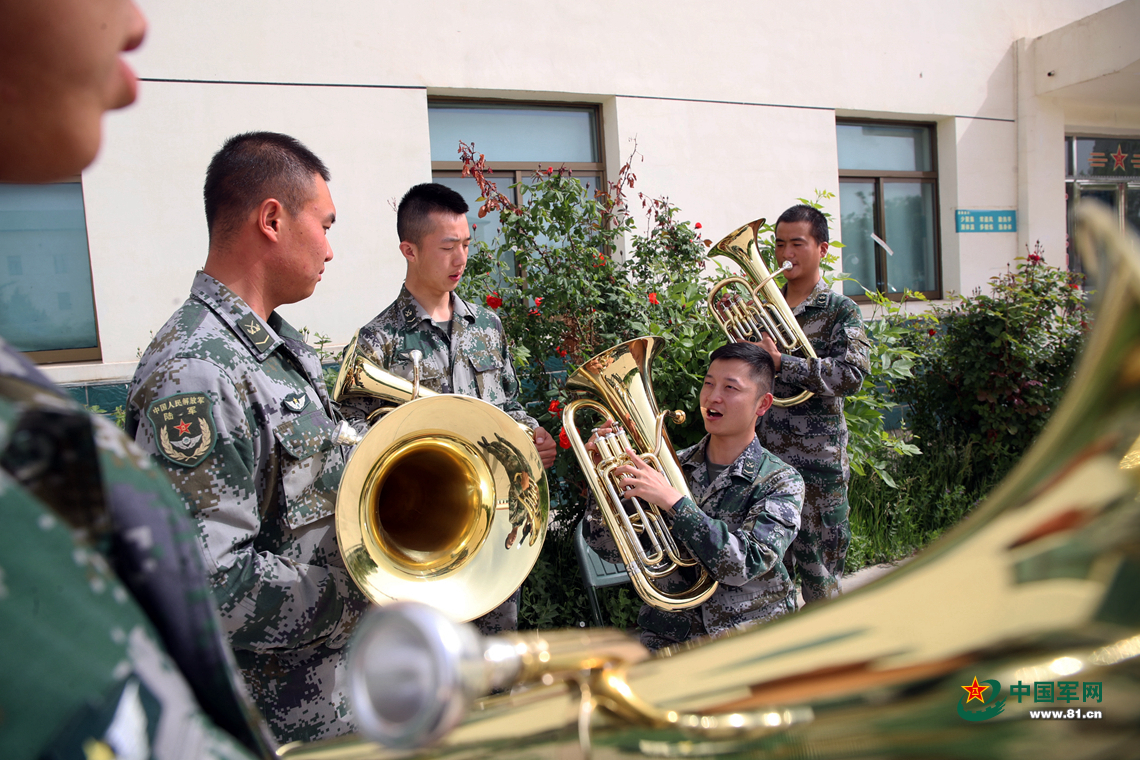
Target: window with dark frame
{"type": "Point", "coordinates": [517, 137]}
{"type": "Point", "coordinates": [47, 302]}
{"type": "Point", "coordinates": [888, 189]}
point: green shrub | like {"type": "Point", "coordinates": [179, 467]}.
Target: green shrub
{"type": "Point", "coordinates": [992, 367]}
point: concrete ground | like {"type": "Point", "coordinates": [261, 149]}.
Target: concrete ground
{"type": "Point", "coordinates": [858, 578]}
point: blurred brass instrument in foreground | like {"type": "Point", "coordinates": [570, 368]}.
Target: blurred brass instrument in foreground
{"type": "Point", "coordinates": [443, 501]}
{"type": "Point", "coordinates": [753, 304]}
{"type": "Point", "coordinates": [1037, 591]}
{"type": "Point", "coordinates": [618, 385]}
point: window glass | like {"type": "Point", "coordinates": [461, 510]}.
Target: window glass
{"type": "Point", "coordinates": [909, 214]}
{"type": "Point", "coordinates": [857, 222]}
{"type": "Point", "coordinates": [884, 147]}
{"type": "Point", "coordinates": [46, 300]}
{"type": "Point", "coordinates": [541, 134]}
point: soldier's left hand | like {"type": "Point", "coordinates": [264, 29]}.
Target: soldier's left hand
{"type": "Point", "coordinates": [545, 444]}
{"type": "Point", "coordinates": [769, 345]}
{"type": "Point", "coordinates": [647, 483]}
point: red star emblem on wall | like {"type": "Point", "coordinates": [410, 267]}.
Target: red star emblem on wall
{"type": "Point", "coordinates": [1118, 158]}
{"type": "Point", "coordinates": [183, 427]}
{"type": "Point", "coordinates": [975, 691]}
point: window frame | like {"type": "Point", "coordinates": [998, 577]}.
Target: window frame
{"type": "Point", "coordinates": [880, 216]}
{"type": "Point", "coordinates": [75, 355]}
{"type": "Point", "coordinates": [520, 170]}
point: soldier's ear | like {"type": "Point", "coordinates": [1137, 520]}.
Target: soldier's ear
{"type": "Point", "coordinates": [764, 404]}
{"type": "Point", "coordinates": [269, 217]}
{"type": "Point", "coordinates": [408, 250]}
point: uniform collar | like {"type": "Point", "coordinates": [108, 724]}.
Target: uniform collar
{"type": "Point", "coordinates": [411, 313]}
{"type": "Point", "coordinates": [259, 336]}
{"type": "Point", "coordinates": [744, 466]}
{"type": "Point", "coordinates": [817, 299]}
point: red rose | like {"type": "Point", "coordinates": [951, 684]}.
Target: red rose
{"type": "Point", "coordinates": [561, 351]}
{"type": "Point", "coordinates": [697, 225]}
{"type": "Point", "coordinates": [554, 407]}
{"type": "Point", "coordinates": [932, 331]}
{"type": "Point", "coordinates": [494, 301]}
{"type": "Point", "coordinates": [1074, 285]}
{"type": "Point", "coordinates": [538, 301]}
{"type": "Point", "coordinates": [653, 299]}
{"type": "Point", "coordinates": [563, 440]}
{"type": "Point", "coordinates": [550, 170]}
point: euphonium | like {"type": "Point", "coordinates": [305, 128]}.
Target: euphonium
{"type": "Point", "coordinates": [617, 384]}
{"type": "Point", "coordinates": [755, 304]}
{"type": "Point", "coordinates": [1034, 592]}
{"type": "Point", "coordinates": [443, 501]}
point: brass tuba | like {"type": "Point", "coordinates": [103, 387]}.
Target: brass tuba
{"type": "Point", "coordinates": [443, 501]}
{"type": "Point", "coordinates": [1034, 595]}
{"type": "Point", "coordinates": [618, 385]}
{"type": "Point", "coordinates": [755, 304]}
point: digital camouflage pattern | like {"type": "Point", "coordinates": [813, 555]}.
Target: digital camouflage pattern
{"type": "Point", "coordinates": [472, 361]}
{"type": "Point", "coordinates": [739, 527]}
{"type": "Point", "coordinates": [112, 644]}
{"type": "Point", "coordinates": [263, 493]}
{"type": "Point", "coordinates": [812, 436]}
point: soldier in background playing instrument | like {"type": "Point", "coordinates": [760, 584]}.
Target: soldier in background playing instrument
{"type": "Point", "coordinates": [463, 345]}
{"type": "Point", "coordinates": [812, 436]}
{"type": "Point", "coordinates": [744, 513]}
{"type": "Point", "coordinates": [231, 401]}
{"type": "Point", "coordinates": [112, 644]}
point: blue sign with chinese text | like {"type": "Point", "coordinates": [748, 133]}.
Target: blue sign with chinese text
{"type": "Point", "coordinates": [985, 221]}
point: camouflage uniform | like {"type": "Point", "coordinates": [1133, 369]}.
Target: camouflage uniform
{"type": "Point", "coordinates": [812, 436]}
{"type": "Point", "coordinates": [739, 528]}
{"type": "Point", "coordinates": [472, 361]}
{"type": "Point", "coordinates": [252, 458]}
{"type": "Point", "coordinates": [111, 638]}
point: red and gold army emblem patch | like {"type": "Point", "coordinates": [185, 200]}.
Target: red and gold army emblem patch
{"type": "Point", "coordinates": [183, 427]}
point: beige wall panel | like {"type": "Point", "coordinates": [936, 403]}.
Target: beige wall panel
{"type": "Point", "coordinates": [724, 165]}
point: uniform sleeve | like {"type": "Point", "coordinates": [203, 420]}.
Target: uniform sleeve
{"type": "Point", "coordinates": [267, 601]}
{"type": "Point", "coordinates": [511, 403]}
{"type": "Point", "coordinates": [840, 370]}
{"type": "Point", "coordinates": [770, 524]}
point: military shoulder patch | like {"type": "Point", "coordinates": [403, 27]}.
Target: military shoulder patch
{"type": "Point", "coordinates": [183, 427]}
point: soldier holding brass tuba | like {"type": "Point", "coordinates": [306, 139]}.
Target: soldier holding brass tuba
{"type": "Point", "coordinates": [812, 436]}
{"type": "Point", "coordinates": [743, 515]}
{"type": "Point", "coordinates": [463, 345]}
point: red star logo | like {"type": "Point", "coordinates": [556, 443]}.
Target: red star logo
{"type": "Point", "coordinates": [1118, 158]}
{"type": "Point", "coordinates": [975, 691]}
{"type": "Point", "coordinates": [183, 427]}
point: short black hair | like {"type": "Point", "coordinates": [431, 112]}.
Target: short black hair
{"type": "Point", "coordinates": [757, 359]}
{"type": "Point", "coordinates": [805, 213]}
{"type": "Point", "coordinates": [251, 167]}
{"type": "Point", "coordinates": [413, 216]}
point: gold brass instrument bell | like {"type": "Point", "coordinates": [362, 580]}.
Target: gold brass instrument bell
{"type": "Point", "coordinates": [618, 385]}
{"type": "Point", "coordinates": [746, 306]}
{"type": "Point", "coordinates": [443, 501]}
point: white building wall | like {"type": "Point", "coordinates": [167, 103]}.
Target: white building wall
{"type": "Point", "coordinates": [732, 105]}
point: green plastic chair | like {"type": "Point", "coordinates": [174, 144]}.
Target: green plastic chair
{"type": "Point", "coordinates": [596, 573]}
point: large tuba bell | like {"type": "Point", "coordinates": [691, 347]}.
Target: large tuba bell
{"type": "Point", "coordinates": [747, 306]}
{"type": "Point", "coordinates": [445, 499]}
{"type": "Point", "coordinates": [617, 384]}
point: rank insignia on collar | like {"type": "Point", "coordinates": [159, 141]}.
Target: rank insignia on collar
{"type": "Point", "coordinates": [255, 332]}
{"type": "Point", "coordinates": [295, 402]}
{"type": "Point", "coordinates": [184, 429]}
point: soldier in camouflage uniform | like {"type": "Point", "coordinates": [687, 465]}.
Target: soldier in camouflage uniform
{"type": "Point", "coordinates": [230, 400]}
{"type": "Point", "coordinates": [812, 436]}
{"type": "Point", "coordinates": [112, 645]}
{"type": "Point", "coordinates": [463, 345]}
{"type": "Point", "coordinates": [743, 514]}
